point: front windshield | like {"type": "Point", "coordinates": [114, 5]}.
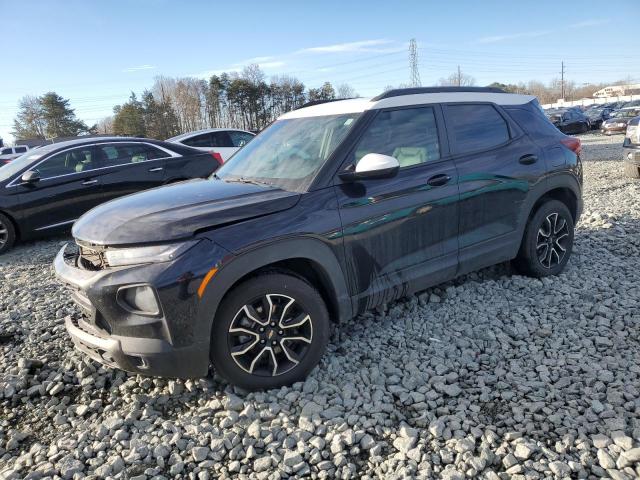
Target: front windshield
{"type": "Point", "coordinates": [290, 152]}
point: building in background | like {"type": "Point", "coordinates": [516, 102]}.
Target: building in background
{"type": "Point", "coordinates": [618, 90]}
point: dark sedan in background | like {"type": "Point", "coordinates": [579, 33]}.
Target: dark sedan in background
{"type": "Point", "coordinates": [569, 121]}
{"type": "Point", "coordinates": [45, 190]}
{"type": "Point", "coordinates": [597, 115]}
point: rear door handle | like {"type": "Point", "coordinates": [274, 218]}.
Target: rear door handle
{"type": "Point", "coordinates": [157, 169]}
{"type": "Point", "coordinates": [528, 159]}
{"type": "Point", "coordinates": [439, 180]}
{"type": "Point", "coordinates": [89, 182]}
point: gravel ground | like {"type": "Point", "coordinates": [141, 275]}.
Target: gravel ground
{"type": "Point", "coordinates": [490, 376]}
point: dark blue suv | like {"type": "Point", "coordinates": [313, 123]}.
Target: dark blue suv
{"type": "Point", "coordinates": [334, 209]}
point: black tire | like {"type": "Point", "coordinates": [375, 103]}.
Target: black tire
{"type": "Point", "coordinates": [549, 230]}
{"type": "Point", "coordinates": [272, 363]}
{"type": "Point", "coordinates": [7, 234]}
{"type": "Point", "coordinates": [631, 170]}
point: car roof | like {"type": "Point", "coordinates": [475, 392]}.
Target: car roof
{"type": "Point", "coordinates": [359, 105]}
{"type": "Point", "coordinates": [182, 136]}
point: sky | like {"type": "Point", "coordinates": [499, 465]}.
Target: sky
{"type": "Point", "coordinates": [96, 52]}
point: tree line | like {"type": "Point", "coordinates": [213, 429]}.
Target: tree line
{"type": "Point", "coordinates": [245, 100]}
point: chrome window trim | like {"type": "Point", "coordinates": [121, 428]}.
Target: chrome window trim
{"type": "Point", "coordinates": [55, 225]}
{"type": "Point", "coordinates": [171, 153]}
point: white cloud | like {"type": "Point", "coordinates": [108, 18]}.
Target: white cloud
{"type": "Point", "coordinates": [361, 46]}
{"type": "Point", "coordinates": [590, 23]}
{"type": "Point", "coordinates": [140, 68]}
{"type": "Point", "coordinates": [515, 36]}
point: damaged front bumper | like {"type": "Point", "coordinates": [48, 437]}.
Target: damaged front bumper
{"type": "Point", "coordinates": [168, 344]}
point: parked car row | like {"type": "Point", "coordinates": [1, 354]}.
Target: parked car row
{"type": "Point", "coordinates": [608, 118]}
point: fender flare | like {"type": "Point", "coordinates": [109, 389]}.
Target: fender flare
{"type": "Point", "coordinates": [563, 180]}
{"type": "Point", "coordinates": [238, 266]}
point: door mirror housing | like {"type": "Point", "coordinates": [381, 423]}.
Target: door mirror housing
{"type": "Point", "coordinates": [31, 176]}
{"type": "Point", "coordinates": [372, 165]}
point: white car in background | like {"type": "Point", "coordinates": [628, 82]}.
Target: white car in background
{"type": "Point", "coordinates": [221, 142]}
{"type": "Point", "coordinates": [9, 153]}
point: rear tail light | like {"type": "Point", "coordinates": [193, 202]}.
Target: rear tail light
{"type": "Point", "coordinates": [572, 143]}
{"type": "Point", "coordinates": [217, 157]}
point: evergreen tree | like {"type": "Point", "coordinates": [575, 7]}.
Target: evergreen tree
{"type": "Point", "coordinates": [48, 116]}
{"type": "Point", "coordinates": [128, 119]}
{"type": "Point", "coordinates": [59, 117]}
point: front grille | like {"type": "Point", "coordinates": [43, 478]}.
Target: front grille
{"type": "Point", "coordinates": [92, 258]}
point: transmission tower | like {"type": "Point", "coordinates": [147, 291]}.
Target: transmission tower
{"type": "Point", "coordinates": [413, 63]}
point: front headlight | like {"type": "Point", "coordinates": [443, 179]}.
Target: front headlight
{"type": "Point", "coordinates": [118, 257]}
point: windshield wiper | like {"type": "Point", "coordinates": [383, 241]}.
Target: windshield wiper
{"type": "Point", "coordinates": [247, 180]}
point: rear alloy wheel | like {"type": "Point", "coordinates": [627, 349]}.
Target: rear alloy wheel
{"type": "Point", "coordinates": [270, 331]}
{"type": "Point", "coordinates": [551, 242]}
{"type": "Point", "coordinates": [7, 234]}
{"type": "Point", "coordinates": [548, 241]}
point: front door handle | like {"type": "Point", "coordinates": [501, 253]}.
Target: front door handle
{"type": "Point", "coordinates": [89, 182]}
{"type": "Point", "coordinates": [439, 180]}
{"type": "Point", "coordinates": [157, 169]}
{"type": "Point", "coordinates": [528, 159]}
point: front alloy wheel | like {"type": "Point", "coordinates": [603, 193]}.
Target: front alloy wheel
{"type": "Point", "coordinates": [269, 331]}
{"type": "Point", "coordinates": [7, 234]}
{"type": "Point", "coordinates": [270, 335]}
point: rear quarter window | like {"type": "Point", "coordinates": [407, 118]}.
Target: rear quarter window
{"type": "Point", "coordinates": [532, 122]}
{"type": "Point", "coordinates": [476, 127]}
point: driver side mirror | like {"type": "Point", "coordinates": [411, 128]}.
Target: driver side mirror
{"type": "Point", "coordinates": [31, 176]}
{"type": "Point", "coordinates": [372, 165]}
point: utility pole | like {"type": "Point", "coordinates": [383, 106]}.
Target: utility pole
{"type": "Point", "coordinates": [413, 63]}
{"type": "Point", "coordinates": [562, 79]}
{"type": "Point", "coordinates": [459, 76]}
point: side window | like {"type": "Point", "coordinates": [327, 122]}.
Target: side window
{"type": "Point", "coordinates": [240, 139]}
{"type": "Point", "coordinates": [6, 151]}
{"type": "Point", "coordinates": [20, 149]}
{"type": "Point", "coordinates": [537, 125]}
{"type": "Point", "coordinates": [410, 135]}
{"type": "Point", "coordinates": [221, 139]}
{"type": "Point", "coordinates": [476, 127]}
{"type": "Point", "coordinates": [203, 140]}
{"type": "Point", "coordinates": [72, 161]}
{"type": "Point", "coordinates": [115, 154]}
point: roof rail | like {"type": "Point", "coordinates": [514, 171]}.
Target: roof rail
{"type": "Point", "coordinates": [319, 102]}
{"type": "Point", "coordinates": [398, 92]}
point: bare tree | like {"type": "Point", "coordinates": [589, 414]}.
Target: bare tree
{"type": "Point", "coordinates": [457, 79]}
{"type": "Point", "coordinates": [105, 126]}
{"type": "Point", "coordinates": [345, 90]}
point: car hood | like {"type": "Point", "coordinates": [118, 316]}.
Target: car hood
{"type": "Point", "coordinates": [177, 211]}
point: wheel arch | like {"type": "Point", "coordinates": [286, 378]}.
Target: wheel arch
{"type": "Point", "coordinates": [16, 225]}
{"type": "Point", "coordinates": [308, 258]}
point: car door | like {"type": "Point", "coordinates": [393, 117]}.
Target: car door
{"type": "Point", "coordinates": [69, 186]}
{"type": "Point", "coordinates": [497, 165]}
{"type": "Point", "coordinates": [131, 167]}
{"type": "Point", "coordinates": [400, 233]}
